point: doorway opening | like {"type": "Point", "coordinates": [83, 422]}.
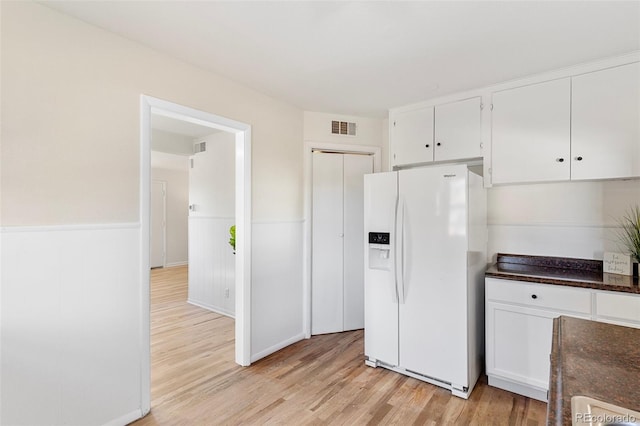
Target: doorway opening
{"type": "Point", "coordinates": [241, 136]}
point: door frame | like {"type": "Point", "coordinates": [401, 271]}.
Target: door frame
{"type": "Point", "coordinates": [309, 147]}
{"type": "Point", "coordinates": [164, 220]}
{"type": "Point", "coordinates": [150, 105]}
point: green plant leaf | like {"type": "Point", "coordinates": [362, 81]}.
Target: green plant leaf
{"type": "Point", "coordinates": [629, 233]}
{"type": "Point", "coordinates": [232, 240]}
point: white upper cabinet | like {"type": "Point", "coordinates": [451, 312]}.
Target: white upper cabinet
{"type": "Point", "coordinates": [446, 132]}
{"type": "Point", "coordinates": [457, 130]}
{"type": "Point", "coordinates": [581, 123]}
{"type": "Point", "coordinates": [531, 133]}
{"type": "Point", "coordinates": [412, 136]}
{"type": "Point", "coordinates": [605, 123]}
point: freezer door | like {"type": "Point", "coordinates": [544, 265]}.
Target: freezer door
{"type": "Point", "coordinates": [380, 292]}
{"type": "Point", "coordinates": [433, 317]}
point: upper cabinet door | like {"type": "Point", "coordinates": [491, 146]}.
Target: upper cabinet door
{"type": "Point", "coordinates": [457, 130]}
{"type": "Point", "coordinates": [412, 137]}
{"type": "Point", "coordinates": [605, 123]}
{"type": "Point", "coordinates": [531, 133]}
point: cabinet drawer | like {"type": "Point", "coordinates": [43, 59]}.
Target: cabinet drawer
{"type": "Point", "coordinates": [619, 306]}
{"type": "Point", "coordinates": [542, 296]}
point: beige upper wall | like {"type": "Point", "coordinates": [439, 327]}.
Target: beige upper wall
{"type": "Point", "coordinates": [71, 114]}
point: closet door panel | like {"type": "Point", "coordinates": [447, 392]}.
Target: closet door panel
{"type": "Point", "coordinates": [327, 244]}
{"type": "Point", "coordinates": [355, 167]}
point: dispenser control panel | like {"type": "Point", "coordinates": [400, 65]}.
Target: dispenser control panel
{"type": "Point", "coordinates": [378, 238]}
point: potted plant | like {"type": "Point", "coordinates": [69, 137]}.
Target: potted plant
{"type": "Point", "coordinates": [629, 235]}
{"type": "Point", "coordinates": [232, 239]}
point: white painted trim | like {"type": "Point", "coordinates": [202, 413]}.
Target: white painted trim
{"type": "Point", "coordinates": [145, 248]}
{"type": "Point", "coordinates": [126, 419]}
{"type": "Point", "coordinates": [555, 225]}
{"type": "Point", "coordinates": [376, 151]}
{"type": "Point", "coordinates": [309, 147]}
{"type": "Point", "coordinates": [174, 264]}
{"type": "Point", "coordinates": [256, 222]}
{"type": "Point", "coordinates": [243, 246]}
{"type": "Point", "coordinates": [211, 308]}
{"type": "Point", "coordinates": [67, 228]}
{"type": "Point", "coordinates": [242, 131]}
{"type": "Point", "coordinates": [277, 347]}
{"type": "Point", "coordinates": [277, 222]}
{"type": "Point", "coordinates": [212, 217]}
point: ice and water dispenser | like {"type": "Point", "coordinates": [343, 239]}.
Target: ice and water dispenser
{"type": "Point", "coordinates": [379, 251]}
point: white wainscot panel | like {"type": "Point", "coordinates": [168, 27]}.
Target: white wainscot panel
{"type": "Point", "coordinates": [71, 325]}
{"type": "Point", "coordinates": [211, 264]}
{"type": "Point", "coordinates": [276, 292]}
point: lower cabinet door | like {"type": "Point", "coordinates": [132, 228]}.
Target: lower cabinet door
{"type": "Point", "coordinates": [519, 343]}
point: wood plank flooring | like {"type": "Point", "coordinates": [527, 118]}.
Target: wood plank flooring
{"type": "Point", "coordinates": [318, 381]}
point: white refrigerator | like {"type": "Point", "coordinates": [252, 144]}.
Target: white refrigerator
{"type": "Point", "coordinates": [425, 245]}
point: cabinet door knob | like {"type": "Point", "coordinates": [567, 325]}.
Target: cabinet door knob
{"type": "Point", "coordinates": [438, 144]}
{"type": "Point", "coordinates": [560, 160]}
{"type": "Point", "coordinates": [533, 296]}
{"type": "Point", "coordinates": [427, 146]}
{"type": "Point", "coordinates": [578, 158]}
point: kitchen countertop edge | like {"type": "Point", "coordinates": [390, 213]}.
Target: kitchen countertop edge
{"type": "Point", "coordinates": [580, 273]}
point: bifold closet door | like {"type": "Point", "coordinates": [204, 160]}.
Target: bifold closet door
{"type": "Point", "coordinates": [337, 282]}
{"type": "Point", "coordinates": [355, 167]}
{"type": "Point", "coordinates": [327, 247]}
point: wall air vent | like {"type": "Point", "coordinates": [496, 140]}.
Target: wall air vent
{"type": "Point", "coordinates": [199, 147]}
{"type": "Point", "coordinates": [343, 128]}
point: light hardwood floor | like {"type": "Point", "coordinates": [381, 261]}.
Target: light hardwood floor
{"type": "Point", "coordinates": [322, 380]}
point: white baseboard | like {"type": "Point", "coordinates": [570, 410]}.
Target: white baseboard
{"type": "Point", "coordinates": [277, 347]}
{"type": "Point", "coordinates": [520, 389]}
{"type": "Point", "coordinates": [126, 419]}
{"type": "Point", "coordinates": [172, 264]}
{"type": "Point", "coordinates": [215, 309]}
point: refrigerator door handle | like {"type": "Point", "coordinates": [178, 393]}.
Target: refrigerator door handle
{"type": "Point", "coordinates": [395, 251]}
{"type": "Point", "coordinates": [400, 243]}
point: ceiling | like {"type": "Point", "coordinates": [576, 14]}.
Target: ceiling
{"type": "Point", "coordinates": [180, 127]}
{"type": "Point", "coordinates": [362, 58]}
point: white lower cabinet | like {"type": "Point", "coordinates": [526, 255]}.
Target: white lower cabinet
{"type": "Point", "coordinates": [519, 328]}
{"type": "Point", "coordinates": [621, 309]}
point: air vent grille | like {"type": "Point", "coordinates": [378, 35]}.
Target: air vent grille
{"type": "Point", "coordinates": [199, 147]}
{"type": "Point", "coordinates": [343, 128]}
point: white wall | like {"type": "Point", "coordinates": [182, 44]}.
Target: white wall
{"type": "Point", "coordinates": [68, 333]}
{"type": "Point", "coordinates": [385, 145]}
{"type": "Point", "coordinates": [175, 172]}
{"type": "Point", "coordinates": [70, 157]}
{"type": "Point", "coordinates": [212, 197]}
{"type": "Point", "coordinates": [570, 219]}
{"type": "Point", "coordinates": [212, 179]}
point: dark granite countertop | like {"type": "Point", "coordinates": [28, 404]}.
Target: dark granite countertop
{"type": "Point", "coordinates": [583, 273]}
{"type": "Point", "coordinates": [593, 359]}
